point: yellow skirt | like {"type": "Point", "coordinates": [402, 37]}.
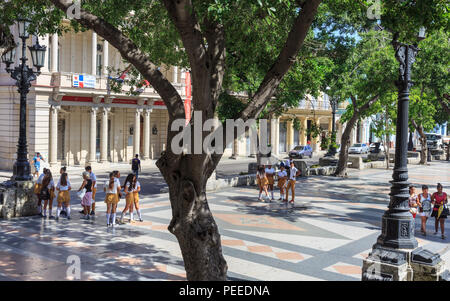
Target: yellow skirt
{"type": "Point", "coordinates": [271, 180]}
{"type": "Point", "coordinates": [63, 197]}
{"type": "Point", "coordinates": [136, 197]}
{"type": "Point", "coordinates": [129, 199]}
{"type": "Point", "coordinates": [281, 182]}
{"type": "Point", "coordinates": [263, 181]}
{"type": "Point", "coordinates": [37, 188]}
{"type": "Point", "coordinates": [111, 198]}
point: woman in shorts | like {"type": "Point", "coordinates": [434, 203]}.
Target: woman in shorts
{"type": "Point", "coordinates": [424, 208]}
{"type": "Point", "coordinates": [439, 200]}
{"type": "Point", "coordinates": [129, 196]}
{"type": "Point", "coordinates": [47, 192]}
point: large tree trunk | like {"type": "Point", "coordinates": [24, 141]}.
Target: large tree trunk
{"type": "Point", "coordinates": [192, 221]}
{"type": "Point", "coordinates": [341, 169]}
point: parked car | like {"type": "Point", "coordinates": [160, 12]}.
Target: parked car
{"type": "Point", "coordinates": [301, 151]}
{"type": "Point", "coordinates": [373, 146]}
{"type": "Point", "coordinates": [434, 141]}
{"type": "Point", "coordinates": [358, 148]}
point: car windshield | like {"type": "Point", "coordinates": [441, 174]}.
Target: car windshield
{"type": "Point", "coordinates": [298, 148]}
{"type": "Point", "coordinates": [432, 137]}
{"type": "Point", "coordinates": [357, 145]}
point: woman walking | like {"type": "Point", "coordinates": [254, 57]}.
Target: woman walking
{"type": "Point", "coordinates": [112, 189]}
{"type": "Point", "coordinates": [262, 182]}
{"type": "Point", "coordinates": [440, 212]}
{"type": "Point", "coordinates": [130, 181]}
{"type": "Point", "coordinates": [47, 192]}
{"type": "Point", "coordinates": [413, 202]}
{"type": "Point", "coordinates": [86, 202]}
{"type": "Point", "coordinates": [282, 177]}
{"type": "Point", "coordinates": [424, 208]}
{"type": "Point", "coordinates": [63, 189]}
{"type": "Point", "coordinates": [136, 190]}
{"type": "Point", "coordinates": [270, 173]}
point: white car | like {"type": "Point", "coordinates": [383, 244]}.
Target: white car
{"type": "Point", "coordinates": [358, 148]}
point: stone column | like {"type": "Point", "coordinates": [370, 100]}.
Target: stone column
{"type": "Point", "coordinates": [175, 75]}
{"type": "Point", "coordinates": [137, 132]}
{"type": "Point", "coordinates": [53, 139]}
{"type": "Point", "coordinates": [104, 136]}
{"type": "Point", "coordinates": [94, 54]}
{"type": "Point", "coordinates": [304, 124]}
{"type": "Point", "coordinates": [147, 133]}
{"type": "Point", "coordinates": [315, 142]}
{"type": "Point", "coordinates": [93, 135]}
{"type": "Point", "coordinates": [290, 135]}
{"type": "Point", "coordinates": [274, 138]}
{"type": "Point", "coordinates": [54, 57]}
{"type": "Point", "coordinates": [105, 58]}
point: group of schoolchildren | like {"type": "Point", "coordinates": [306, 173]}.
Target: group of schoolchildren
{"type": "Point", "coordinates": [429, 205]}
{"type": "Point", "coordinates": [47, 192]}
{"type": "Point", "coordinates": [286, 177]}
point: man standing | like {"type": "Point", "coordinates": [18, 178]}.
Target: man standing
{"type": "Point", "coordinates": [294, 173]}
{"type": "Point", "coordinates": [94, 187]}
{"type": "Point", "coordinates": [37, 164]}
{"type": "Point", "coordinates": [136, 165]}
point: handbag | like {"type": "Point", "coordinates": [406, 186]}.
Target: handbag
{"type": "Point", "coordinates": [81, 193]}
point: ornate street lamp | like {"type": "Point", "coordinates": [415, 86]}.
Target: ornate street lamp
{"type": "Point", "coordinates": [396, 251]}
{"type": "Point", "coordinates": [24, 76]}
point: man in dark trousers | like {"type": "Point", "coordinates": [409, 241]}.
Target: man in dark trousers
{"type": "Point", "coordinates": [136, 165]}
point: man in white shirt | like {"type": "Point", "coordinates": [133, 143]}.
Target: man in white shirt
{"type": "Point", "coordinates": [94, 187]}
{"type": "Point", "coordinates": [294, 172]}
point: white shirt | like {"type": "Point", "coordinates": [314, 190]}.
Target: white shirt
{"type": "Point", "coordinates": [293, 173]}
{"type": "Point", "coordinates": [63, 188]}
{"type": "Point", "coordinates": [39, 180]}
{"type": "Point", "coordinates": [282, 174]}
{"type": "Point", "coordinates": [114, 189]}
{"type": "Point", "coordinates": [138, 185]}
{"type": "Point", "coordinates": [270, 171]}
{"type": "Point", "coordinates": [94, 178]}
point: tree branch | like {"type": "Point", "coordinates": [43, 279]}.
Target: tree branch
{"type": "Point", "coordinates": [284, 61]}
{"type": "Point", "coordinates": [129, 51]}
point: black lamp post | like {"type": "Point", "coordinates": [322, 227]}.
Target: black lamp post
{"type": "Point", "coordinates": [332, 150]}
{"type": "Point", "coordinates": [24, 76]}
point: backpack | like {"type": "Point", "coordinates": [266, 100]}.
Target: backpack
{"type": "Point", "coordinates": [135, 164]}
{"type": "Point", "coordinates": [45, 193]}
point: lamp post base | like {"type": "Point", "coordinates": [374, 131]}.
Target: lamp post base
{"type": "Point", "coordinates": [21, 171]}
{"type": "Point", "coordinates": [390, 264]}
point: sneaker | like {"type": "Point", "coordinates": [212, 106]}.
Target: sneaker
{"type": "Point", "coordinates": [68, 217]}
{"type": "Point", "coordinates": [108, 224]}
{"type": "Point", "coordinates": [44, 216]}
{"type": "Point", "coordinates": [443, 236]}
{"type": "Point", "coordinates": [82, 211]}
{"type": "Point", "coordinates": [141, 220]}
{"type": "Point", "coordinates": [280, 199]}
{"type": "Point", "coordinates": [92, 213]}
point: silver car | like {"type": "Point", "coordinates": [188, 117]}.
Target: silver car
{"type": "Point", "coordinates": [358, 148]}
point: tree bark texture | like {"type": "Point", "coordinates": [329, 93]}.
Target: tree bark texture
{"type": "Point", "coordinates": [341, 169]}
{"type": "Point", "coordinates": [186, 174]}
{"type": "Point", "coordinates": [423, 142]}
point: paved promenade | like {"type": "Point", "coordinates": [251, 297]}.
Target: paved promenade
{"type": "Point", "coordinates": [324, 236]}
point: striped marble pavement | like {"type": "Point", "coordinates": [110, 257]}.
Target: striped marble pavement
{"type": "Point", "coordinates": [324, 236]}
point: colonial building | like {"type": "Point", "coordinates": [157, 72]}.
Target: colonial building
{"type": "Point", "coordinates": [73, 118]}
